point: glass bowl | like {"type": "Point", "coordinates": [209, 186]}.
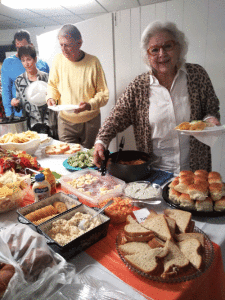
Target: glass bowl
{"type": "Point", "coordinates": [143, 190]}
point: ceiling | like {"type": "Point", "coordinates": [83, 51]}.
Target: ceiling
{"type": "Point", "coordinates": [26, 18]}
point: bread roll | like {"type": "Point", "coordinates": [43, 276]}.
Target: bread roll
{"type": "Point", "coordinates": [197, 192]}
{"type": "Point", "coordinates": [203, 173]}
{"type": "Point", "coordinates": [220, 205]}
{"type": "Point", "coordinates": [206, 205]}
{"type": "Point", "coordinates": [216, 191]}
{"type": "Point", "coordinates": [187, 202]}
{"type": "Point", "coordinates": [174, 196]}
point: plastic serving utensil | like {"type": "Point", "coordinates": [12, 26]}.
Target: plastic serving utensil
{"type": "Point", "coordinates": [122, 142]}
{"type": "Point", "coordinates": [81, 225]}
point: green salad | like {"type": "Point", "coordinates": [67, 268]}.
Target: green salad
{"type": "Point", "coordinates": [82, 159]}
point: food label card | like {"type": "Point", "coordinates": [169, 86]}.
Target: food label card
{"type": "Point", "coordinates": [141, 214]}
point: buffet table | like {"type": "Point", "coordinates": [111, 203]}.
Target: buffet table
{"type": "Point", "coordinates": [103, 254]}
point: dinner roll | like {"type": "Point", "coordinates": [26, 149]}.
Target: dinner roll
{"type": "Point", "coordinates": [186, 201]}
{"type": "Point", "coordinates": [214, 175]}
{"type": "Point", "coordinates": [220, 205]}
{"type": "Point", "coordinates": [203, 173]}
{"type": "Point", "coordinates": [197, 192]}
{"type": "Point", "coordinates": [206, 205]}
{"type": "Point", "coordinates": [186, 172]}
{"type": "Point", "coordinates": [183, 185]}
{"type": "Point", "coordinates": [174, 196]}
{"type": "Point", "coordinates": [216, 191]}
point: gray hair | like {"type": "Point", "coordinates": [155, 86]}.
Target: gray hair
{"type": "Point", "coordinates": [70, 30]}
{"type": "Point", "coordinates": [172, 29]}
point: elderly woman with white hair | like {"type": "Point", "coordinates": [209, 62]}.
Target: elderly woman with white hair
{"type": "Point", "coordinates": [155, 102]}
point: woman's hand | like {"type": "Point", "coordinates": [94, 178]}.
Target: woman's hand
{"type": "Point", "coordinates": [82, 107]}
{"type": "Point", "coordinates": [99, 154]}
{"type": "Point", "coordinates": [15, 102]}
{"type": "Point", "coordinates": [51, 102]}
{"type": "Point", "coordinates": [213, 120]}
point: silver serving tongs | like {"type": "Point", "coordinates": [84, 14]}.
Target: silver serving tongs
{"type": "Point", "coordinates": [121, 145]}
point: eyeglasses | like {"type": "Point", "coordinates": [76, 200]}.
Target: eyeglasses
{"type": "Point", "coordinates": [168, 46]}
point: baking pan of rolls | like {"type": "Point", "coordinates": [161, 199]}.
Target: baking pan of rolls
{"type": "Point", "coordinates": [200, 192]}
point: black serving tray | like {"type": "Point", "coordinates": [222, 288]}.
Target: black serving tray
{"type": "Point", "coordinates": [165, 195]}
{"type": "Point", "coordinates": [80, 243]}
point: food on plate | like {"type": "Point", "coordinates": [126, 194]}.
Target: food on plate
{"type": "Point", "coordinates": [147, 261]}
{"type": "Point", "coordinates": [64, 231]}
{"type": "Point", "coordinates": [190, 235]}
{"type": "Point", "coordinates": [159, 225]}
{"type": "Point", "coordinates": [191, 248]}
{"type": "Point", "coordinates": [164, 255]}
{"type": "Point", "coordinates": [186, 201]}
{"type": "Point", "coordinates": [141, 190]}
{"type": "Point", "coordinates": [189, 189]}
{"type": "Point", "coordinates": [6, 273]}
{"type": "Point", "coordinates": [17, 160]}
{"type": "Point", "coordinates": [182, 218]}
{"type": "Point", "coordinates": [119, 209]}
{"type": "Point", "coordinates": [82, 159]}
{"type": "Point", "coordinates": [206, 205]}
{"type": "Point", "coordinates": [132, 162]}
{"type": "Point", "coordinates": [22, 137]}
{"type": "Point", "coordinates": [193, 125]}
{"type": "Point", "coordinates": [220, 204]}
{"type": "Point", "coordinates": [62, 148]}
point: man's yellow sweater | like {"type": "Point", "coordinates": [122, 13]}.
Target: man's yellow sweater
{"type": "Point", "coordinates": [74, 82]}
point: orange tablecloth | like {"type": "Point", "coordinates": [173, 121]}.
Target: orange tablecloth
{"type": "Point", "coordinates": [209, 286]}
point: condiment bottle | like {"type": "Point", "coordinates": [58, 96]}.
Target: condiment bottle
{"type": "Point", "coordinates": [51, 179]}
{"type": "Point", "coordinates": [41, 188]}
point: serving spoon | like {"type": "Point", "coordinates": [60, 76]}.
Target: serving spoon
{"type": "Point", "coordinates": [82, 223]}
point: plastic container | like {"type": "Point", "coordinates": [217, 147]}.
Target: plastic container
{"type": "Point", "coordinates": [41, 188]}
{"type": "Point", "coordinates": [94, 188]}
{"type": "Point", "coordinates": [119, 210]}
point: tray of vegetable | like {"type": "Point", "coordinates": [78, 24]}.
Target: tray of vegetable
{"type": "Point", "coordinates": [82, 159]}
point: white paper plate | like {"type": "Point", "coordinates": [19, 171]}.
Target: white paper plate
{"type": "Point", "coordinates": [69, 107]}
{"type": "Point", "coordinates": [208, 136]}
{"type": "Point", "coordinates": [36, 93]}
{"type": "Point", "coordinates": [207, 130]}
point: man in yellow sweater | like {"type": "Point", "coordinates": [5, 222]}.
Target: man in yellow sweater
{"type": "Point", "coordinates": [77, 78]}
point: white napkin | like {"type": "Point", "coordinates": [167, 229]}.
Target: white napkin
{"type": "Point", "coordinates": [208, 136]}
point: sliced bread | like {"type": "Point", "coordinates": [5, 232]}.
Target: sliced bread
{"type": "Point", "coordinates": [156, 243]}
{"type": "Point", "coordinates": [140, 238]}
{"type": "Point", "coordinates": [136, 229]}
{"type": "Point", "coordinates": [159, 226]}
{"type": "Point", "coordinates": [131, 220]}
{"type": "Point", "coordinates": [191, 235]}
{"type": "Point", "coordinates": [182, 218]}
{"type": "Point", "coordinates": [147, 262]}
{"type": "Point", "coordinates": [134, 247]}
{"type": "Point", "coordinates": [174, 261]}
{"type": "Point", "coordinates": [191, 248]}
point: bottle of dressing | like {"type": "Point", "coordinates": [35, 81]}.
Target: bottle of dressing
{"type": "Point", "coordinates": [41, 188]}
